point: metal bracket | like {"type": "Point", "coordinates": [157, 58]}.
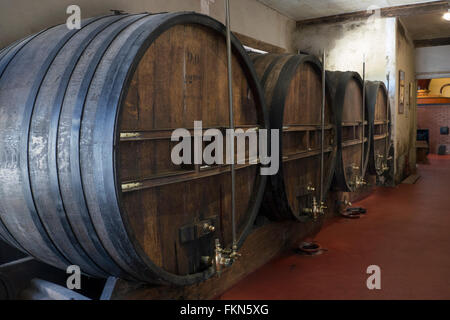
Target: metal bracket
{"type": "Point", "coordinates": [197, 230]}
{"type": "Point", "coordinates": [356, 180]}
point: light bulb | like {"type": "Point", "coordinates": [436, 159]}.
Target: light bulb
{"type": "Point", "coordinates": [447, 15]}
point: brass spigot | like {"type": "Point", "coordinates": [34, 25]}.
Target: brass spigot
{"type": "Point", "coordinates": [323, 207]}
{"type": "Point", "coordinates": [234, 253]}
{"type": "Point", "coordinates": [346, 203]}
{"type": "Point", "coordinates": [356, 180]}
{"type": "Point", "coordinates": [209, 227]}
{"type": "Point", "coordinates": [224, 258]}
{"type": "Point", "coordinates": [316, 209]}
{"type": "Point", "coordinates": [359, 182]}
{"type": "Point", "coordinates": [343, 205]}
{"type": "Point", "coordinates": [379, 163]}
{"type": "Point", "coordinates": [382, 163]}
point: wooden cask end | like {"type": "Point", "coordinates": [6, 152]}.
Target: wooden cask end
{"type": "Point", "coordinates": [86, 117]}
{"type": "Point", "coordinates": [293, 89]}
{"type": "Point", "coordinates": [347, 88]}
{"type": "Point", "coordinates": [380, 123]}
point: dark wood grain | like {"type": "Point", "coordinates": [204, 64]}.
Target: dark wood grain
{"type": "Point", "coordinates": [293, 90]}
{"type": "Point", "coordinates": [182, 78]}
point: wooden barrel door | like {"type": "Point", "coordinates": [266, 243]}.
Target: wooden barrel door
{"type": "Point", "coordinates": [293, 90]}
{"type": "Point", "coordinates": [380, 121]}
{"type": "Point", "coordinates": [86, 173]}
{"type": "Point", "coordinates": [353, 141]}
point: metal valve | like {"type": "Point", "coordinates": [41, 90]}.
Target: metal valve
{"type": "Point", "coordinates": [345, 203]}
{"type": "Point", "coordinates": [356, 180]}
{"type": "Point", "coordinates": [316, 210]}
{"type": "Point", "coordinates": [209, 227]}
{"type": "Point", "coordinates": [381, 163]}
{"type": "Point", "coordinates": [359, 182]}
{"type": "Point", "coordinates": [234, 253]}
{"type": "Point", "coordinates": [224, 258]}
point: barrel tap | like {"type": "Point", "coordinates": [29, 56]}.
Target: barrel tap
{"type": "Point", "coordinates": [316, 209]}
{"type": "Point", "coordinates": [358, 180]}
{"type": "Point", "coordinates": [381, 162]}
{"type": "Point", "coordinates": [344, 203]}
{"type": "Point", "coordinates": [224, 258]}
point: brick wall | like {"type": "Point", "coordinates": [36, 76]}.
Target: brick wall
{"type": "Point", "coordinates": [433, 118]}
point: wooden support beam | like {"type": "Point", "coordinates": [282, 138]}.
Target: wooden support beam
{"type": "Point", "coordinates": [353, 142]}
{"type": "Point", "coordinates": [398, 11]}
{"type": "Point", "coordinates": [432, 42]}
{"type": "Point", "coordinates": [257, 44]}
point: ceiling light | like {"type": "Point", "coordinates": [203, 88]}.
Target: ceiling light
{"type": "Point", "coordinates": [447, 15]}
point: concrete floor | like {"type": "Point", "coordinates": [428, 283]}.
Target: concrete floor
{"type": "Point", "coordinates": [406, 233]}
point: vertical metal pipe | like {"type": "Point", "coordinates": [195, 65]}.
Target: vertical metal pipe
{"type": "Point", "coordinates": [363, 116]}
{"type": "Point", "coordinates": [230, 100]}
{"type": "Point", "coordinates": [322, 155]}
{"type": "Point", "coordinates": [387, 117]}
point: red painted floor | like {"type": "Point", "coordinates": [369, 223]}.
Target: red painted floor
{"type": "Point", "coordinates": [406, 233]}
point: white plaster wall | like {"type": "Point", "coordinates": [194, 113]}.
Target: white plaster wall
{"type": "Point", "coordinates": [433, 62]}
{"type": "Point", "coordinates": [347, 43]}
{"type": "Point", "coordinates": [308, 9]}
{"type": "Point", "coordinates": [19, 18]}
{"type": "Point", "coordinates": [387, 50]}
{"type": "Point", "coordinates": [406, 123]}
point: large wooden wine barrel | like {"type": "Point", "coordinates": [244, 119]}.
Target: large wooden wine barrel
{"type": "Point", "coordinates": [86, 117]}
{"type": "Point", "coordinates": [348, 104]}
{"type": "Point", "coordinates": [293, 90]}
{"type": "Point", "coordinates": [380, 123]}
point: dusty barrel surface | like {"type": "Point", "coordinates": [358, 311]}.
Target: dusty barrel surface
{"type": "Point", "coordinates": [293, 91]}
{"type": "Point", "coordinates": [352, 140]}
{"type": "Point", "coordinates": [86, 117]}
{"type": "Point", "coordinates": [380, 123]}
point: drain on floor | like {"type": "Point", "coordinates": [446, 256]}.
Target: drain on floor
{"type": "Point", "coordinates": [309, 249]}
{"type": "Point", "coordinates": [412, 179]}
{"type": "Point", "coordinates": [353, 213]}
